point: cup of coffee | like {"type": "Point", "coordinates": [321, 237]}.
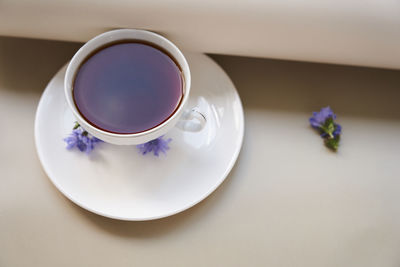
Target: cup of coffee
{"type": "Point", "coordinates": [129, 87]}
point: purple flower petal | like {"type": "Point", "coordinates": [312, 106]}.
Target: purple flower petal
{"type": "Point", "coordinates": [71, 141]}
{"type": "Point", "coordinates": [82, 140]}
{"type": "Point", "coordinates": [156, 146]}
{"type": "Point", "coordinates": [314, 123]}
{"type": "Point", "coordinates": [318, 118]}
{"type": "Point", "coordinates": [323, 134]}
{"type": "Point", "coordinates": [96, 140]}
{"type": "Point", "coordinates": [338, 130]}
{"type": "Point", "coordinates": [81, 145]}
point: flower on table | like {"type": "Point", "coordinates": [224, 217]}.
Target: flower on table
{"type": "Point", "coordinates": [324, 122]}
{"type": "Point", "coordinates": [81, 139]}
{"type": "Point", "coordinates": [156, 146]}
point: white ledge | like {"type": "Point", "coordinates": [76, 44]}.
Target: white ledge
{"type": "Point", "coordinates": [365, 33]}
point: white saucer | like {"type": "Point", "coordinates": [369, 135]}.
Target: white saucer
{"type": "Point", "coordinates": [117, 181]}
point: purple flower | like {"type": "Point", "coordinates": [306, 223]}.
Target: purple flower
{"type": "Point", "coordinates": [324, 122]}
{"type": "Point", "coordinates": [80, 138]}
{"type": "Point", "coordinates": [156, 146]}
{"type": "Point", "coordinates": [319, 118]}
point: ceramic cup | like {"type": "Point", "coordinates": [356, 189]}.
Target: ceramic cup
{"type": "Point", "coordinates": [189, 120]}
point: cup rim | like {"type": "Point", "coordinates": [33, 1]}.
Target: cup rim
{"type": "Point", "coordinates": [87, 47]}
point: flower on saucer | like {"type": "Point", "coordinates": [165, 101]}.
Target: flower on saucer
{"type": "Point", "coordinates": [156, 146]}
{"type": "Point", "coordinates": [81, 139]}
{"type": "Point", "coordinates": [323, 121]}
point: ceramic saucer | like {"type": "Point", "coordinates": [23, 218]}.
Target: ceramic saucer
{"type": "Point", "coordinates": [120, 183]}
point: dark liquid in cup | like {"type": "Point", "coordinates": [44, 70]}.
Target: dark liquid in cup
{"type": "Point", "coordinates": [128, 87]}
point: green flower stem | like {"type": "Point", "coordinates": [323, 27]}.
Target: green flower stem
{"type": "Point", "coordinates": [327, 131]}
{"type": "Point", "coordinates": [332, 143]}
{"type": "Point", "coordinates": [328, 127]}
{"type": "Point", "coordinates": [76, 126]}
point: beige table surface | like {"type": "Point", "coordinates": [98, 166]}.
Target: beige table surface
{"type": "Point", "coordinates": [288, 201]}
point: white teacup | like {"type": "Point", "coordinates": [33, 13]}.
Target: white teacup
{"type": "Point", "coordinates": [191, 120]}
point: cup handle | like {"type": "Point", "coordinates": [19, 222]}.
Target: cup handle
{"type": "Point", "coordinates": [192, 120]}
